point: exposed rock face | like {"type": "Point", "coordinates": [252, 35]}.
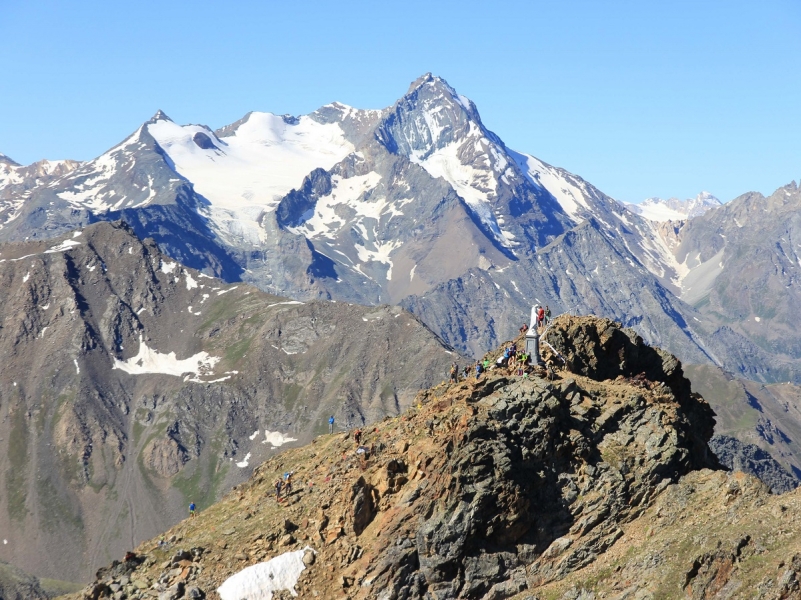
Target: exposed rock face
{"type": "Point", "coordinates": [712, 535]}
{"type": "Point", "coordinates": [17, 585]}
{"type": "Point", "coordinates": [751, 459]}
{"type": "Point", "coordinates": [745, 271]}
{"type": "Point", "coordinates": [131, 385]}
{"type": "Point", "coordinates": [486, 489]}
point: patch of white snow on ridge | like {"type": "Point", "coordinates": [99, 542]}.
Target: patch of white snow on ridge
{"type": "Point", "coordinates": [254, 436]}
{"type": "Point", "coordinates": [569, 196]}
{"type": "Point", "coordinates": [656, 211]}
{"type": "Point", "coordinates": [63, 246]}
{"type": "Point", "coordinates": [168, 267]}
{"type": "Point", "coordinates": [324, 221]}
{"type": "Point", "coordinates": [276, 439]}
{"type": "Point", "coordinates": [190, 283]}
{"type": "Point", "coordinates": [77, 368]}
{"type": "Point", "coordinates": [475, 186]}
{"type": "Point", "coordinates": [260, 581]}
{"type": "Point", "coordinates": [148, 360]}
{"type": "Point", "coordinates": [244, 463]}
{"type": "Point", "coordinates": [260, 163]}
{"type": "Point", "coordinates": [287, 302]}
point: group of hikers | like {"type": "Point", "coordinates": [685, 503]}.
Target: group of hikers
{"type": "Point", "coordinates": [543, 318]}
{"type": "Point", "coordinates": [283, 485]}
{"type": "Point", "coordinates": [516, 361]}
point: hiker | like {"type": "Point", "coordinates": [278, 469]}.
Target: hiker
{"type": "Point", "coordinates": [522, 360]}
{"type": "Point", "coordinates": [279, 483]}
{"type": "Point", "coordinates": [357, 435]}
{"type": "Point", "coordinates": [479, 370]}
{"type": "Point", "coordinates": [288, 483]}
{"type": "Point", "coordinates": [523, 329]}
{"type": "Point", "coordinates": [466, 373]}
{"type": "Point", "coordinates": [192, 509]}
{"type": "Point", "coordinates": [454, 373]}
{"type": "Point", "coordinates": [540, 316]}
{"type": "Point", "coordinates": [331, 424]}
{"type": "Point", "coordinates": [486, 364]}
{"type": "Point", "coordinates": [547, 314]}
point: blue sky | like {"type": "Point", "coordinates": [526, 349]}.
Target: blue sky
{"type": "Point", "coordinates": [639, 98]}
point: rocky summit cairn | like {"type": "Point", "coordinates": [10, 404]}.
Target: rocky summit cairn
{"type": "Point", "coordinates": [486, 488]}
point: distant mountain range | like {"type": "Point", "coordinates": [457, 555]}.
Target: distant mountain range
{"type": "Point", "coordinates": [673, 209]}
{"type": "Point", "coordinates": [416, 206]}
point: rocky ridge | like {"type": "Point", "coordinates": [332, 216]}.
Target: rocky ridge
{"type": "Point", "coordinates": [484, 489]}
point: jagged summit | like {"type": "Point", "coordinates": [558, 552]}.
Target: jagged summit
{"type": "Point", "coordinates": [486, 488]}
{"type": "Point", "coordinates": [159, 116]}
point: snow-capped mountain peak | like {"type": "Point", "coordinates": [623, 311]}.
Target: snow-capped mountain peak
{"type": "Point", "coordinates": [257, 163]}
{"type": "Point", "coordinates": [8, 161]}
{"type": "Point", "coordinates": [673, 209]}
{"type": "Point", "coordinates": [160, 116]}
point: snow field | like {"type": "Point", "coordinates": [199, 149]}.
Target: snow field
{"type": "Point", "coordinates": [264, 159]}
{"type": "Point", "coordinates": [148, 360]}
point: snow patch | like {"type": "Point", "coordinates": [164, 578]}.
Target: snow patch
{"type": "Point", "coordinates": [276, 439]}
{"type": "Point", "coordinates": [568, 194]}
{"type": "Point", "coordinates": [260, 581]}
{"type": "Point", "coordinates": [148, 360]}
{"type": "Point", "coordinates": [77, 368]}
{"type": "Point", "coordinates": [63, 246]}
{"type": "Point", "coordinates": [168, 267]}
{"type": "Point", "coordinates": [244, 463]}
{"type": "Point", "coordinates": [476, 186]}
{"type": "Point", "coordinates": [190, 283]}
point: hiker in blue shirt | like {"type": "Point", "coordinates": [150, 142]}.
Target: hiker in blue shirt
{"type": "Point", "coordinates": [331, 424]}
{"type": "Point", "coordinates": [192, 509]}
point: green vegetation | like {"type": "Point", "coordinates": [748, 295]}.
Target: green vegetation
{"type": "Point", "coordinates": [237, 351]}
{"type": "Point", "coordinates": [16, 480]}
{"type": "Point", "coordinates": [202, 485]}
{"type": "Point", "coordinates": [223, 309]}
{"type": "Point", "coordinates": [291, 393]}
{"type": "Point", "coordinates": [56, 587]}
{"type": "Point", "coordinates": [56, 510]}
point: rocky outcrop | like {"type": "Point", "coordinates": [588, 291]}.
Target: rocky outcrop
{"type": "Point", "coordinates": [17, 585]}
{"type": "Point", "coordinates": [750, 458]}
{"type": "Point", "coordinates": [484, 489]}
